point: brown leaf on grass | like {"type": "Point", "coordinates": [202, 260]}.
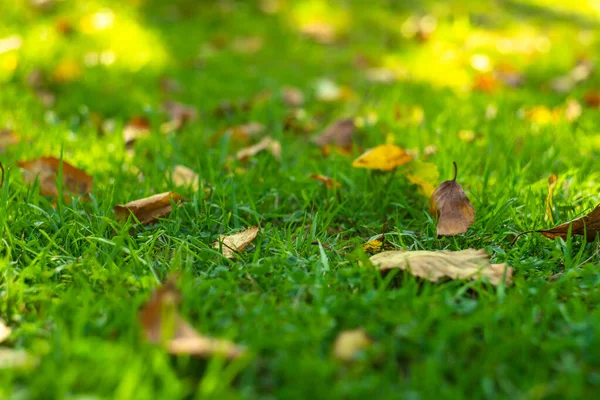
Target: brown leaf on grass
{"type": "Point", "coordinates": [136, 128]}
{"type": "Point", "coordinates": [267, 143]}
{"type": "Point", "coordinates": [385, 157]}
{"type": "Point", "coordinates": [592, 99]}
{"type": "Point", "coordinates": [149, 209]}
{"type": "Point", "coordinates": [434, 265]}
{"type": "Point", "coordinates": [184, 176]}
{"type": "Point", "coordinates": [162, 324]}
{"type": "Point", "coordinates": [292, 97]}
{"type": "Point", "coordinates": [235, 243]}
{"type": "Point", "coordinates": [348, 343]}
{"type": "Point", "coordinates": [588, 226]}
{"type": "Point", "coordinates": [179, 115]}
{"type": "Point", "coordinates": [320, 31]}
{"type": "Point", "coordinates": [456, 214]}
{"type": "Point", "coordinates": [4, 331]}
{"type": "Point", "coordinates": [552, 181]}
{"type": "Point", "coordinates": [330, 183]}
{"type": "Point", "coordinates": [75, 181]}
{"type": "Point", "coordinates": [338, 135]}
{"type": "Point", "coordinates": [7, 138]}
{"type": "Point", "coordinates": [242, 133]}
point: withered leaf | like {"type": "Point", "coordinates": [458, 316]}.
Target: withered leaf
{"type": "Point", "coordinates": [292, 97]}
{"type": "Point", "coordinates": [348, 343]}
{"type": "Point", "coordinates": [149, 209]}
{"type": "Point", "coordinates": [136, 128]}
{"type": "Point", "coordinates": [235, 243]}
{"type": "Point", "coordinates": [75, 181]}
{"type": "Point", "coordinates": [456, 214]}
{"type": "Point", "coordinates": [339, 135]}
{"type": "Point", "coordinates": [163, 325]}
{"type": "Point", "coordinates": [433, 265]}
{"type": "Point", "coordinates": [184, 176]}
{"type": "Point", "coordinates": [179, 115]}
{"type": "Point", "coordinates": [385, 157]}
{"type": "Point", "coordinates": [588, 226]}
{"type": "Point", "coordinates": [267, 143]}
{"type": "Point", "coordinates": [330, 183]}
{"type": "Point", "coordinates": [7, 138]}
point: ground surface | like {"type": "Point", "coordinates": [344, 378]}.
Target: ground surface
{"type": "Point", "coordinates": [72, 279]}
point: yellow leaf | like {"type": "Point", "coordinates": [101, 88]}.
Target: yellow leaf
{"type": "Point", "coordinates": [385, 158]}
{"type": "Point", "coordinates": [425, 175]}
{"type": "Point", "coordinates": [350, 342]}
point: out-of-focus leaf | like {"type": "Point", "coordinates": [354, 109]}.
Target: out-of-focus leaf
{"type": "Point", "coordinates": [7, 138]}
{"type": "Point", "coordinates": [267, 143]}
{"type": "Point", "coordinates": [423, 174]}
{"type": "Point", "coordinates": [330, 183]}
{"type": "Point", "coordinates": [349, 343]}
{"type": "Point", "coordinates": [385, 157]}
{"type": "Point", "coordinates": [5, 331]}
{"type": "Point", "coordinates": [339, 136]}
{"type": "Point", "coordinates": [74, 180]}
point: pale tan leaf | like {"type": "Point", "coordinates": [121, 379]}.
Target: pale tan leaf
{"type": "Point", "coordinates": [235, 243]}
{"type": "Point", "coordinates": [11, 358]}
{"type": "Point", "coordinates": [148, 209]}
{"type": "Point", "coordinates": [184, 176]}
{"type": "Point", "coordinates": [7, 138]}
{"type": "Point", "coordinates": [349, 343]}
{"type": "Point", "coordinates": [292, 97]}
{"type": "Point", "coordinates": [434, 265]}
{"type": "Point", "coordinates": [75, 181]}
{"type": "Point", "coordinates": [267, 143]}
{"type": "Point", "coordinates": [4, 331]}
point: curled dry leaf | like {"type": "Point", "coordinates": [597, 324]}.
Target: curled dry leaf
{"type": "Point", "coordinates": [456, 214]}
{"type": "Point", "coordinates": [75, 181]}
{"type": "Point", "coordinates": [136, 128]}
{"type": "Point", "coordinates": [330, 183]}
{"type": "Point", "coordinates": [434, 265]}
{"type": "Point", "coordinates": [235, 243]}
{"type": "Point", "coordinates": [267, 143]}
{"type": "Point", "coordinates": [588, 226]}
{"type": "Point", "coordinates": [4, 331]}
{"type": "Point", "coordinates": [384, 158]}
{"type": "Point", "coordinates": [149, 209]}
{"type": "Point", "coordinates": [184, 176]}
{"type": "Point", "coordinates": [349, 343]}
{"type": "Point", "coordinates": [7, 138]}
{"type": "Point", "coordinates": [163, 325]}
{"type": "Point", "coordinates": [338, 135]}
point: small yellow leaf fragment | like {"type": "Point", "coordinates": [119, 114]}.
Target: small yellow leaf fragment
{"type": "Point", "coordinates": [235, 243]}
{"type": "Point", "coordinates": [385, 157]}
{"type": "Point", "coordinates": [350, 342]}
{"type": "Point", "coordinates": [373, 246]}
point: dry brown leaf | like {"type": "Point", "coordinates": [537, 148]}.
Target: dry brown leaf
{"type": "Point", "coordinates": [235, 243]}
{"type": "Point", "coordinates": [433, 265]}
{"type": "Point", "coordinates": [75, 181]}
{"type": "Point", "coordinates": [456, 214]}
{"type": "Point", "coordinates": [4, 331]}
{"type": "Point", "coordinates": [592, 99]}
{"type": "Point", "coordinates": [339, 135]}
{"type": "Point", "coordinates": [267, 143]}
{"type": "Point", "coordinates": [552, 180]}
{"type": "Point", "coordinates": [148, 209]}
{"type": "Point", "coordinates": [329, 182]}
{"type": "Point", "coordinates": [179, 115]}
{"type": "Point", "coordinates": [348, 343]}
{"type": "Point", "coordinates": [385, 157]}
{"type": "Point", "coordinates": [7, 138]}
{"type": "Point", "coordinates": [136, 128]}
{"type": "Point", "coordinates": [588, 226]}
{"type": "Point", "coordinates": [162, 324]}
{"type": "Point", "coordinates": [184, 176]}
{"type": "Point", "coordinates": [292, 97]}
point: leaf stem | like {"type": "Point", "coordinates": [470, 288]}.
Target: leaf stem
{"type": "Point", "coordinates": [455, 171]}
{"type": "Point", "coordinates": [2, 179]}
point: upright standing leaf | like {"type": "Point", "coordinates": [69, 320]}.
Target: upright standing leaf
{"type": "Point", "coordinates": [74, 180]}
{"type": "Point", "coordinates": [456, 214]}
{"type": "Point", "coordinates": [433, 265]}
{"type": "Point", "coordinates": [233, 244]}
{"type": "Point", "coordinates": [163, 325]}
{"type": "Point", "coordinates": [148, 209]}
{"type": "Point", "coordinates": [384, 158]}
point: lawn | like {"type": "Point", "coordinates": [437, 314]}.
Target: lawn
{"type": "Point", "coordinates": [505, 88]}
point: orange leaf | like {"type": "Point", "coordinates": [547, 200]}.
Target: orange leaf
{"type": "Point", "coordinates": [75, 180]}
{"type": "Point", "coordinates": [7, 138]}
{"type": "Point", "coordinates": [330, 183]}
{"type": "Point", "coordinates": [148, 209]}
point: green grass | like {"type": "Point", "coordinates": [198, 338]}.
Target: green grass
{"type": "Point", "coordinates": [72, 279]}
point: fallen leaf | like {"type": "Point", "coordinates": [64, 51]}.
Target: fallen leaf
{"type": "Point", "coordinates": [235, 243]}
{"type": "Point", "coordinates": [179, 115]}
{"type": "Point", "coordinates": [148, 209]}
{"type": "Point", "coordinates": [385, 157]}
{"type": "Point", "coordinates": [338, 135]}
{"type": "Point", "coordinates": [292, 97]}
{"type": "Point", "coordinates": [320, 31]}
{"type": "Point", "coordinates": [433, 265]}
{"type": "Point", "coordinates": [46, 169]}
{"type": "Point", "coordinates": [267, 143]}
{"type": "Point", "coordinates": [136, 128]}
{"type": "Point", "coordinates": [241, 133]}
{"type": "Point", "coordinates": [184, 176]}
{"type": "Point", "coordinates": [350, 342]}
{"type": "Point", "coordinates": [162, 324]}
{"type": "Point", "coordinates": [4, 331]}
{"type": "Point", "coordinates": [381, 75]}
{"type": "Point", "coordinates": [572, 110]}
{"type": "Point", "coordinates": [456, 214]}
{"type": "Point", "coordinates": [592, 99]}
{"type": "Point", "coordinates": [423, 174]}
{"type": "Point", "coordinates": [588, 226]}
{"type": "Point", "coordinates": [169, 85]}
{"type": "Point", "coordinates": [7, 138]}
{"type": "Point", "coordinates": [330, 183]}
{"type": "Point", "coordinates": [552, 180]}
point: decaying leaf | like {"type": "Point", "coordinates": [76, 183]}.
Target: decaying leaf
{"type": "Point", "coordinates": [592, 99]}
{"type": "Point", "coordinates": [292, 97]}
{"type": "Point", "coordinates": [385, 157]}
{"type": "Point", "coordinates": [339, 135]}
{"type": "Point", "coordinates": [434, 265]}
{"type": "Point", "coordinates": [267, 143]}
{"type": "Point", "coordinates": [330, 183]}
{"type": "Point", "coordinates": [184, 176]}
{"type": "Point", "coordinates": [4, 331]}
{"type": "Point", "coordinates": [235, 243]}
{"type": "Point", "coordinates": [456, 214]}
{"type": "Point", "coordinates": [75, 181]}
{"type": "Point", "coordinates": [163, 325]}
{"type": "Point", "coordinates": [552, 180]}
{"type": "Point", "coordinates": [348, 343]}
{"type": "Point", "coordinates": [7, 138]}
{"type": "Point", "coordinates": [242, 133]}
{"type": "Point", "coordinates": [149, 209]}
{"type": "Point", "coordinates": [423, 174]}
{"type": "Point", "coordinates": [588, 226]}
{"type": "Point", "coordinates": [136, 128]}
{"type": "Point", "coordinates": [179, 115]}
